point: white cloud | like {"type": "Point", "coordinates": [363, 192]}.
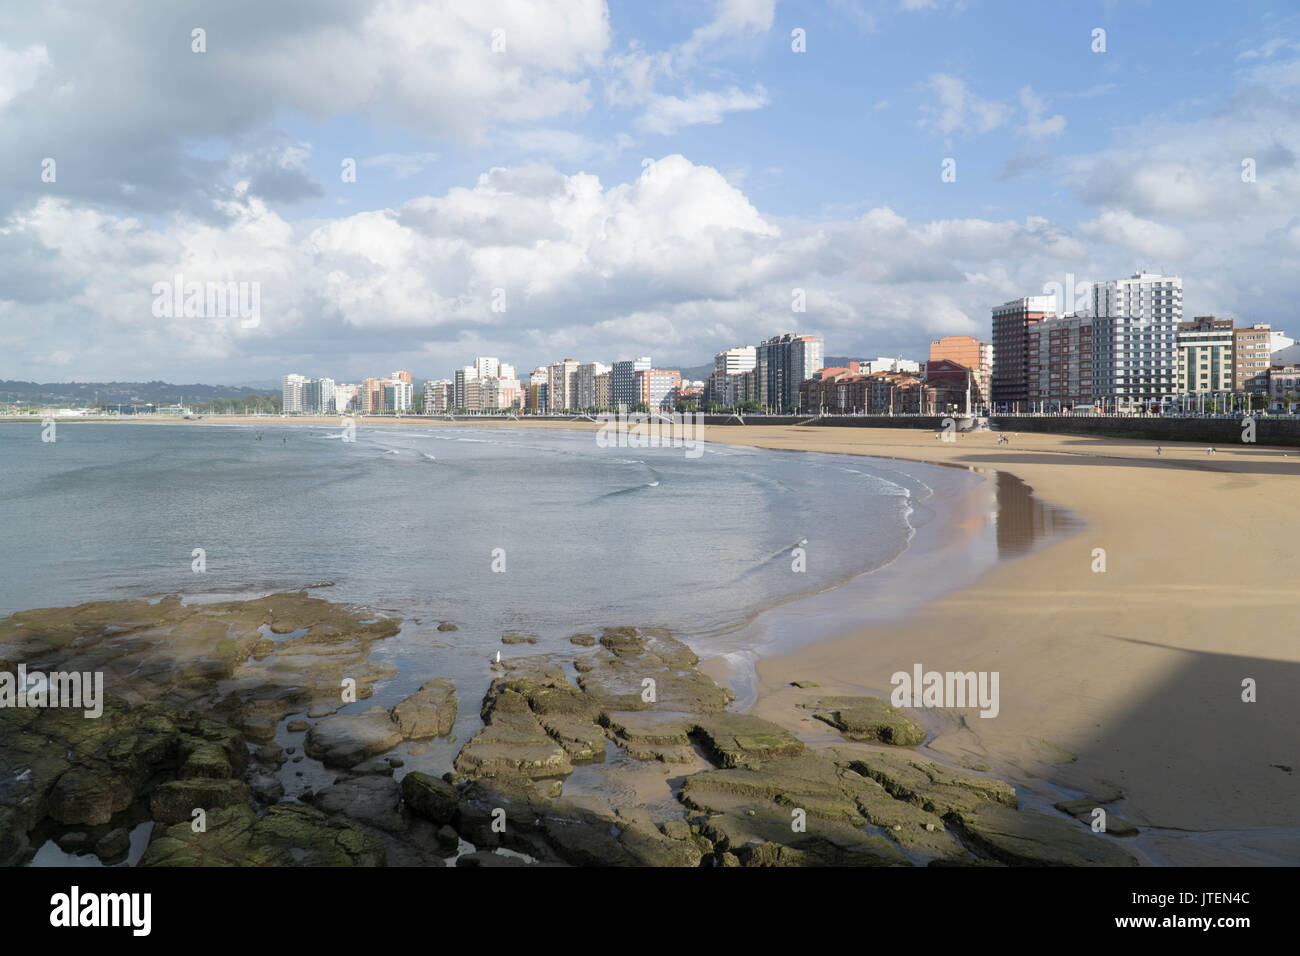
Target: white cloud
{"type": "Point", "coordinates": [20, 69]}
{"type": "Point", "coordinates": [636, 74]}
{"type": "Point", "coordinates": [1037, 125]}
{"type": "Point", "coordinates": [960, 110]}
{"type": "Point", "coordinates": [676, 261]}
{"type": "Point", "coordinates": [667, 114]}
{"type": "Point", "coordinates": [1149, 240]}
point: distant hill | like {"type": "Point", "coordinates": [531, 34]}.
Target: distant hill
{"type": "Point", "coordinates": [86, 393]}
{"type": "Point", "coordinates": [691, 373]}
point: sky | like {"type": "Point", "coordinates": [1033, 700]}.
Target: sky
{"type": "Point", "coordinates": [600, 180]}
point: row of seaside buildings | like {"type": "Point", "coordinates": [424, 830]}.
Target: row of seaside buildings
{"type": "Point", "coordinates": [1124, 347]}
{"type": "Point", "coordinates": [768, 375]}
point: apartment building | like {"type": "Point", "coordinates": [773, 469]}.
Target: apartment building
{"type": "Point", "coordinates": [562, 385]}
{"type": "Point", "coordinates": [438, 396]}
{"type": "Point", "coordinates": [657, 388]}
{"type": "Point", "coordinates": [460, 386]}
{"type": "Point", "coordinates": [345, 398]}
{"type": "Point", "coordinates": [1206, 349]}
{"type": "Point", "coordinates": [291, 387]}
{"type": "Point", "coordinates": [1059, 363]}
{"type": "Point", "coordinates": [586, 385]}
{"type": "Point", "coordinates": [970, 352]}
{"type": "Point", "coordinates": [1284, 385]}
{"type": "Point", "coordinates": [1253, 354]}
{"type": "Point", "coordinates": [782, 364]}
{"type": "Point", "coordinates": [623, 380]}
{"type": "Point", "coordinates": [1011, 324]}
{"type": "Point", "coordinates": [1135, 339]}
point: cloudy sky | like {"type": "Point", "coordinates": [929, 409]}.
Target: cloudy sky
{"type": "Point", "coordinates": [634, 178]}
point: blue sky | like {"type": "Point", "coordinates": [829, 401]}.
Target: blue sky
{"type": "Point", "coordinates": [523, 170]}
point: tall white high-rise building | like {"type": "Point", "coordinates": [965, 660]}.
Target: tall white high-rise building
{"type": "Point", "coordinates": [291, 388]}
{"type": "Point", "coordinates": [345, 398]}
{"type": "Point", "coordinates": [735, 361]}
{"type": "Point", "coordinates": [1135, 338]}
{"type": "Point", "coordinates": [487, 367]}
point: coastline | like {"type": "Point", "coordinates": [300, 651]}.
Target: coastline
{"type": "Point", "coordinates": [1129, 678]}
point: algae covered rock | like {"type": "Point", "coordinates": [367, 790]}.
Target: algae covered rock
{"type": "Point", "coordinates": [513, 741]}
{"type": "Point", "coordinates": [429, 712]}
{"type": "Point", "coordinates": [287, 835]}
{"type": "Point", "coordinates": [429, 797]}
{"type": "Point", "coordinates": [177, 800]}
{"type": "Point", "coordinates": [1024, 838]}
{"type": "Point", "coordinates": [647, 735]}
{"type": "Point", "coordinates": [649, 670]}
{"type": "Point", "coordinates": [736, 740]}
{"type": "Point", "coordinates": [932, 786]}
{"type": "Point", "coordinates": [868, 719]}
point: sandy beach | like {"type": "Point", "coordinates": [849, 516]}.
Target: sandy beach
{"type": "Point", "coordinates": [1131, 678]}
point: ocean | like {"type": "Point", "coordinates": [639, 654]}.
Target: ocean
{"type": "Point", "coordinates": [538, 533]}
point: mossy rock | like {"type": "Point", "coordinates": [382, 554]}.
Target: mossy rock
{"type": "Point", "coordinates": [868, 719]}
{"type": "Point", "coordinates": [287, 835]}
{"type": "Point", "coordinates": [932, 786]}
{"type": "Point", "coordinates": [429, 712]}
{"type": "Point", "coordinates": [1024, 838]}
{"type": "Point", "coordinates": [738, 740]}
{"type": "Point", "coordinates": [177, 800]}
{"type": "Point", "coordinates": [429, 797]}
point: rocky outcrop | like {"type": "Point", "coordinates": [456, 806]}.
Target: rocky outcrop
{"type": "Point", "coordinates": [650, 736]}
{"type": "Point", "coordinates": [648, 670]}
{"type": "Point", "coordinates": [187, 688]}
{"type": "Point", "coordinates": [868, 719]}
{"type": "Point", "coordinates": [345, 740]}
{"type": "Point", "coordinates": [932, 786]}
{"type": "Point", "coordinates": [428, 797]}
{"type": "Point", "coordinates": [741, 740]}
{"type": "Point", "coordinates": [287, 835]}
{"type": "Point", "coordinates": [512, 742]}
{"type": "Point", "coordinates": [747, 807]}
{"type": "Point", "coordinates": [1021, 838]}
{"type": "Point", "coordinates": [429, 712]}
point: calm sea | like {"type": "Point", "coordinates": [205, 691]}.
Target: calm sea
{"type": "Point", "coordinates": [410, 521]}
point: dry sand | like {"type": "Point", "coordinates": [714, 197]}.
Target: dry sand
{"type": "Point", "coordinates": [1131, 677]}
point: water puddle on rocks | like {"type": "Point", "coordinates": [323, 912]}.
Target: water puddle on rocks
{"type": "Point", "coordinates": [51, 855]}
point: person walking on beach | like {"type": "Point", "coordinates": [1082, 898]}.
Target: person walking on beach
{"type": "Point", "coordinates": [1157, 449]}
